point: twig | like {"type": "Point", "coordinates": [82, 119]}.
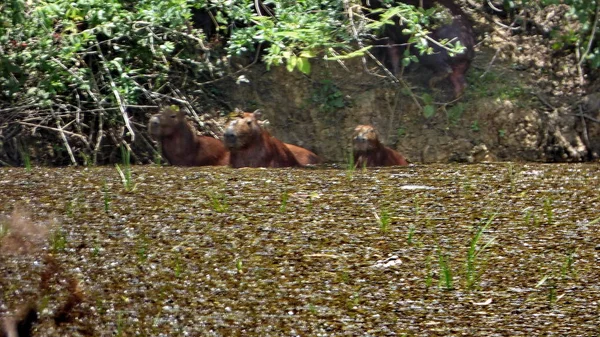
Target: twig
{"type": "Point", "coordinates": [596, 120]}
{"type": "Point", "coordinates": [592, 34]}
{"type": "Point", "coordinates": [586, 138]}
{"type": "Point", "coordinates": [147, 25]}
{"type": "Point", "coordinates": [23, 107]}
{"type": "Point", "coordinates": [65, 140]}
{"type": "Point", "coordinates": [546, 103]}
{"type": "Point", "coordinates": [99, 137]}
{"type": "Point", "coordinates": [350, 12]}
{"type": "Point", "coordinates": [494, 8]}
{"type": "Point", "coordinates": [116, 93]}
{"type": "Point", "coordinates": [505, 26]}
{"type": "Point", "coordinates": [234, 73]}
{"type": "Point", "coordinates": [489, 66]}
{"type": "Point", "coordinates": [53, 129]}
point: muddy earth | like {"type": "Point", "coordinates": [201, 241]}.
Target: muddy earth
{"type": "Point", "coordinates": [438, 250]}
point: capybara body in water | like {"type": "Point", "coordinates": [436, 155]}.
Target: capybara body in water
{"type": "Point", "coordinates": [303, 156]}
{"type": "Point", "coordinates": [369, 151]}
{"type": "Point", "coordinates": [251, 145]}
{"type": "Point", "coordinates": [459, 29]}
{"type": "Point", "coordinates": [181, 145]}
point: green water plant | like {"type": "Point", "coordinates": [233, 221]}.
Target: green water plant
{"type": "Point", "coordinates": [411, 233]}
{"type": "Point", "coordinates": [58, 240]}
{"type": "Point", "coordinates": [218, 202]}
{"type": "Point", "coordinates": [105, 197]}
{"type": "Point", "coordinates": [428, 272]}
{"type": "Point", "coordinates": [511, 176]}
{"type": "Point", "coordinates": [472, 273]}
{"type": "Point", "coordinates": [25, 158]}
{"type": "Point", "coordinates": [417, 205]}
{"type": "Point", "coordinates": [178, 267]}
{"type": "Point", "coordinates": [125, 172]}
{"type": "Point", "coordinates": [567, 267]}
{"type": "Point", "coordinates": [284, 201]}
{"type": "Point", "coordinates": [383, 219]}
{"type": "Point", "coordinates": [446, 279]}
{"type": "Point", "coordinates": [120, 324]}
{"type": "Point", "coordinates": [142, 248]}
{"type": "Point", "coordinates": [350, 165]}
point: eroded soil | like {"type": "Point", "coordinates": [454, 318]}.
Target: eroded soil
{"type": "Point", "coordinates": [327, 251]}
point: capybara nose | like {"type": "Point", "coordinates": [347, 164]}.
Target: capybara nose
{"type": "Point", "coordinates": [359, 138]}
{"type": "Point", "coordinates": [154, 121]}
{"type": "Point", "coordinates": [229, 136]}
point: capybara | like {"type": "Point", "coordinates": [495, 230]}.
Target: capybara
{"type": "Point", "coordinates": [251, 145]}
{"type": "Point", "coordinates": [369, 151]}
{"type": "Point", "coordinates": [440, 62]}
{"type": "Point", "coordinates": [181, 145]}
{"type": "Point", "coordinates": [303, 156]}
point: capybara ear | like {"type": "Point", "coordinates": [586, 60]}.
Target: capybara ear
{"type": "Point", "coordinates": [257, 114]}
{"type": "Point", "coordinates": [357, 128]}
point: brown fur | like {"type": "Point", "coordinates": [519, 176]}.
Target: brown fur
{"type": "Point", "coordinates": [179, 143]}
{"type": "Point", "coordinates": [369, 151]}
{"type": "Point", "coordinates": [252, 146]}
{"type": "Point", "coordinates": [303, 156]}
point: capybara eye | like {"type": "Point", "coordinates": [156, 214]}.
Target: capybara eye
{"type": "Point", "coordinates": [249, 122]}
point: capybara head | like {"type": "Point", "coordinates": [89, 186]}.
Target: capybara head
{"type": "Point", "coordinates": [241, 131]}
{"type": "Point", "coordinates": [165, 122]}
{"type": "Point", "coordinates": [365, 138]}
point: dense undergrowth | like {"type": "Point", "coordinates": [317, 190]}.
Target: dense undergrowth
{"type": "Point", "coordinates": [78, 79]}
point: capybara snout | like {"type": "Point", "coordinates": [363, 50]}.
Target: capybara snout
{"type": "Point", "coordinates": [364, 138]}
{"type": "Point", "coordinates": [154, 126]}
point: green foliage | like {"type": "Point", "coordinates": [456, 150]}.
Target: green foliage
{"type": "Point", "coordinates": [218, 202]}
{"type": "Point", "coordinates": [328, 97]}
{"type": "Point", "coordinates": [106, 197]}
{"type": "Point", "coordinates": [411, 234]}
{"type": "Point", "coordinates": [25, 158]}
{"type": "Point", "coordinates": [446, 279]}
{"type": "Point", "coordinates": [473, 273]}
{"type": "Point", "coordinates": [284, 201]}
{"type": "Point", "coordinates": [101, 57]}
{"type": "Point", "coordinates": [454, 113]}
{"type": "Point", "coordinates": [58, 240]}
{"type": "Point", "coordinates": [125, 172]}
{"type": "Point", "coordinates": [383, 219]}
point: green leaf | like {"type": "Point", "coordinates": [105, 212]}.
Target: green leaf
{"type": "Point", "coordinates": [355, 53]}
{"type": "Point", "coordinates": [307, 54]}
{"type": "Point", "coordinates": [304, 65]}
{"type": "Point", "coordinates": [428, 111]}
{"type": "Point", "coordinates": [427, 99]}
{"type": "Point", "coordinates": [291, 63]}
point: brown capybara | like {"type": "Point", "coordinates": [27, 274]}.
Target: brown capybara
{"type": "Point", "coordinates": [303, 156]}
{"type": "Point", "coordinates": [369, 151]}
{"type": "Point", "coordinates": [180, 144]}
{"type": "Point", "coordinates": [251, 145]}
{"type": "Point", "coordinates": [444, 65]}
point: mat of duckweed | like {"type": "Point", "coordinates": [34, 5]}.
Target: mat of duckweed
{"type": "Point", "coordinates": [437, 250]}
